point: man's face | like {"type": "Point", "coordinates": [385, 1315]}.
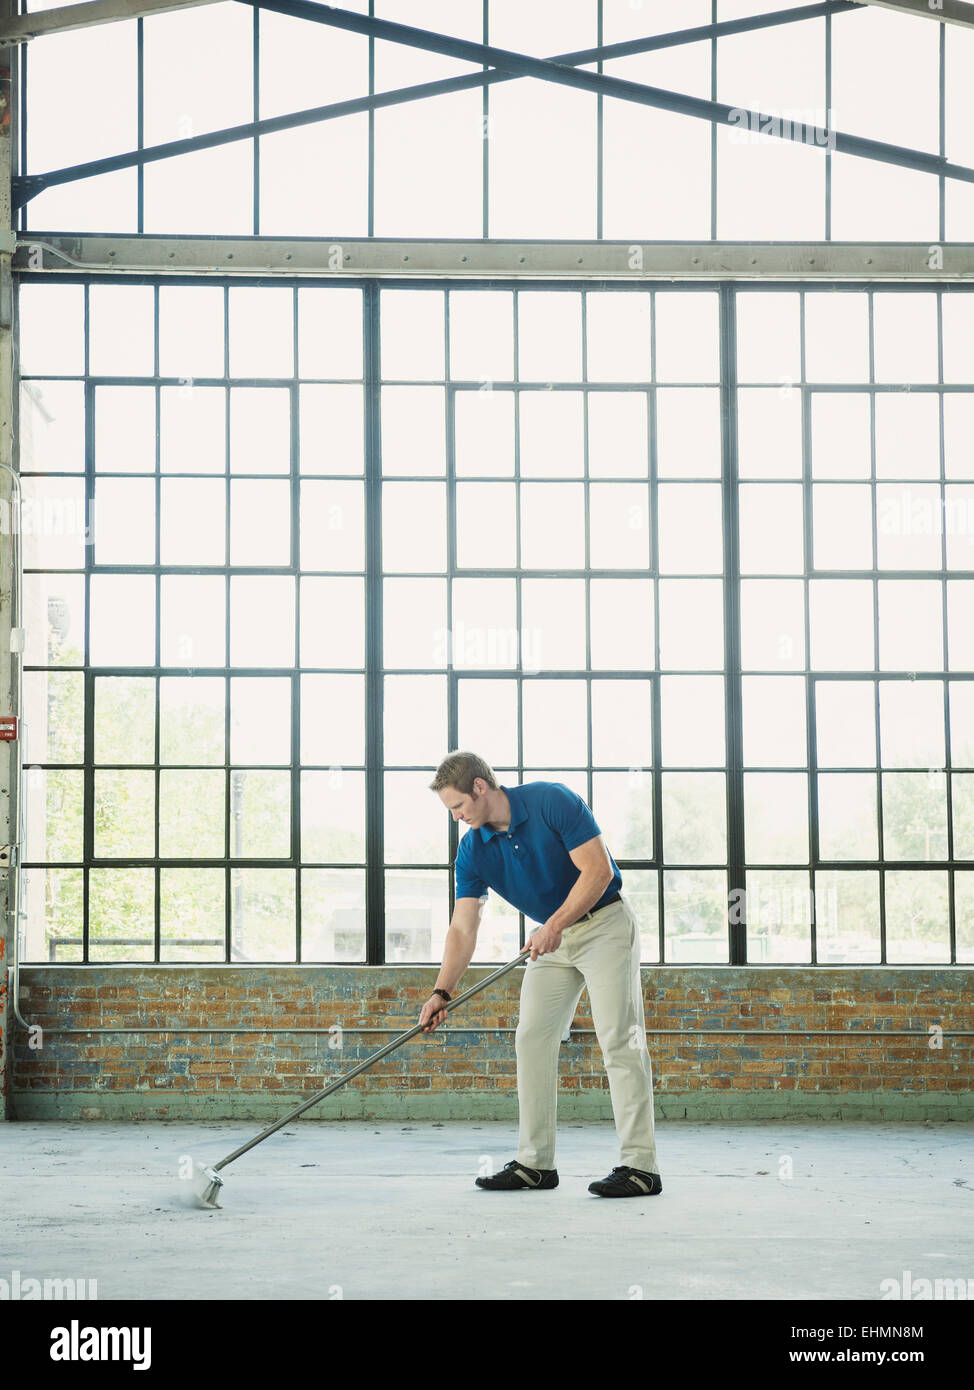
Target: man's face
{"type": "Point", "coordinates": [472, 809]}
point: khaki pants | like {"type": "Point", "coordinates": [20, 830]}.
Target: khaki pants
{"type": "Point", "coordinates": [601, 953]}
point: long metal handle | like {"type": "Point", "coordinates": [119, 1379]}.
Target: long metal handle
{"type": "Point", "coordinates": [370, 1061]}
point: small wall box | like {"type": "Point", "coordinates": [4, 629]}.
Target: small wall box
{"type": "Point", "coordinates": [8, 727]}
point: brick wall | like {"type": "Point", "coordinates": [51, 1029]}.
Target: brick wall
{"type": "Point", "coordinates": [471, 1073]}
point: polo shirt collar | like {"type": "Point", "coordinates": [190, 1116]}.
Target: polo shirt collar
{"type": "Point", "coordinates": [518, 814]}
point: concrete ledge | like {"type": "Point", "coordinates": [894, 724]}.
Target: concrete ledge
{"type": "Point", "coordinates": [452, 1105]}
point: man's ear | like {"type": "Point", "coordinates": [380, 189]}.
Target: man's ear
{"type": "Point", "coordinates": [479, 786]}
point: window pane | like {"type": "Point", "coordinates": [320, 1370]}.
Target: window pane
{"type": "Point", "coordinates": [125, 429]}
{"type": "Point", "coordinates": [53, 815]}
{"type": "Point", "coordinates": [192, 433]}
{"type": "Point", "coordinates": [959, 526]}
{"type": "Point", "coordinates": [841, 624]}
{"type": "Point", "coordinates": [333, 914]}
{"type": "Point", "coordinates": [332, 622]}
{"type": "Point", "coordinates": [907, 434]}
{"type": "Point", "coordinates": [618, 526]}
{"type": "Point", "coordinates": [776, 817]}
{"type": "Point", "coordinates": [120, 913]}
{"type": "Point", "coordinates": [329, 331]}
{"type": "Point", "coordinates": [694, 818]}
{"type": "Point", "coordinates": [261, 331]}
{"type": "Point", "coordinates": [688, 432]}
{"type": "Point", "coordinates": [481, 335]}
{"type": "Point", "coordinates": [54, 703]}
{"type": "Point", "coordinates": [909, 526]}
{"type": "Point", "coordinates": [52, 431]}
{"type": "Point", "coordinates": [261, 620]}
{"type": "Point", "coordinates": [415, 721]}
{"type": "Point", "coordinates": [332, 526]}
{"type": "Point", "coordinates": [917, 917]}
{"type": "Point", "coordinates": [840, 435]}
{"type": "Point", "coordinates": [845, 723]}
{"type": "Point", "coordinates": [846, 917]}
{"type": "Point", "coordinates": [691, 624]}
{"type": "Point", "coordinates": [125, 719]}
{"type": "Point", "coordinates": [487, 718]}
{"type": "Point", "coordinates": [618, 443]}
{"type": "Point", "coordinates": [416, 825]}
{"type": "Point", "coordinates": [52, 329]}
{"type": "Point", "coordinates": [911, 723]}
{"type": "Point", "coordinates": [52, 900]}
{"type": "Point", "coordinates": [836, 335]}
{"type": "Point", "coordinates": [260, 430]}
{"type": "Point", "coordinates": [622, 803]}
{"type": "Point", "coordinates": [192, 527]}
{"type": "Point", "coordinates": [553, 624]}
{"type": "Point", "coordinates": [842, 526]}
{"type": "Point", "coordinates": [962, 804]}
{"type": "Point", "coordinates": [54, 523]}
{"type": "Point", "coordinates": [191, 331]}
{"type": "Point", "coordinates": [779, 915]}
{"type": "Point", "coordinates": [194, 625]}
{"type": "Point", "coordinates": [551, 434]}
{"type": "Point", "coordinates": [124, 814]}
{"type": "Point", "coordinates": [484, 632]}
{"type": "Point", "coordinates": [260, 719]}
{"type": "Point", "coordinates": [772, 625]}
{"type": "Point", "coordinates": [192, 812]}
{"type": "Point", "coordinates": [774, 721]}
{"type": "Point", "coordinates": [333, 817]}
{"type": "Point", "coordinates": [622, 723]}
{"type": "Point", "coordinates": [120, 330]}
{"type": "Point", "coordinates": [192, 914]}
{"type": "Point", "coordinates": [555, 723]}
{"type": "Point", "coordinates": [260, 523]}
{"type": "Point", "coordinates": [690, 533]}
{"type": "Point", "coordinates": [417, 914]}
{"type": "Point", "coordinates": [959, 434]}
{"type": "Point", "coordinates": [771, 528]}
{"type": "Point", "coordinates": [486, 526]}
{"type": "Point", "coordinates": [552, 526]}
{"type": "Point", "coordinates": [549, 335]}
{"type": "Point", "coordinates": [332, 435]}
{"type": "Point", "coordinates": [617, 327]}
{"type": "Point", "coordinates": [414, 623]}
{"type": "Point", "coordinates": [905, 336]}
{"type": "Point", "coordinates": [484, 433]}
{"type": "Point", "coordinates": [411, 334]}
{"type": "Point", "coordinates": [695, 916]}
{"type": "Point", "coordinates": [687, 336]}
{"type": "Point", "coordinates": [769, 336]}
{"type": "Point", "coordinates": [260, 814]}
{"type": "Point", "coordinates": [847, 824]}
{"type": "Point", "coordinates": [123, 620]}
{"type": "Point", "coordinates": [910, 625]}
{"type": "Point", "coordinates": [54, 609]}
{"type": "Point", "coordinates": [414, 526]}
{"type": "Point", "coordinates": [413, 430]}
{"type": "Point", "coordinates": [769, 427]}
{"type": "Point", "coordinates": [693, 721]}
{"type": "Point", "coordinates": [962, 723]}
{"type": "Point", "coordinates": [622, 624]}
{"type": "Point", "coordinates": [333, 721]}
{"type": "Point", "coordinates": [960, 624]}
{"type": "Point", "coordinates": [192, 719]}
{"type": "Point", "coordinates": [915, 815]}
{"type": "Point", "coordinates": [262, 926]}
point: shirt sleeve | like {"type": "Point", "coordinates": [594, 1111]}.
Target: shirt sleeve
{"type": "Point", "coordinates": [568, 816]}
{"type": "Point", "coordinates": [468, 881]}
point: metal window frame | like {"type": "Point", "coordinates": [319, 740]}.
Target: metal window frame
{"type": "Point", "coordinates": [375, 867]}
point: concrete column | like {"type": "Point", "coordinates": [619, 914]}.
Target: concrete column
{"type": "Point", "coordinates": [8, 751]}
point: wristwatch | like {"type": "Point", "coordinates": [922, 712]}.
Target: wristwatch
{"type": "Point", "coordinates": [444, 994]}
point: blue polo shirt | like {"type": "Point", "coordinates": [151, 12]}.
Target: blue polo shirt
{"type": "Point", "coordinates": [528, 864]}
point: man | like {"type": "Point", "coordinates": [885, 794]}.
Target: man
{"type": "Point", "coordinates": [538, 846]}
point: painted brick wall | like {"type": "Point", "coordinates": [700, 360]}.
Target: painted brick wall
{"type": "Point", "coordinates": [461, 1074]}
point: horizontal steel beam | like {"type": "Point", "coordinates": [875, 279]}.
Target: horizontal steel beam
{"type": "Point", "coordinates": [371, 257]}
{"type": "Point", "coordinates": [946, 11]}
{"type": "Point", "coordinates": [24, 27]}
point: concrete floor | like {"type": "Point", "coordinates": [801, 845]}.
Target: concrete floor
{"type": "Point", "coordinates": [382, 1210]}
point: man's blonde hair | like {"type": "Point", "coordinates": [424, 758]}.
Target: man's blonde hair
{"type": "Point", "coordinates": [460, 770]}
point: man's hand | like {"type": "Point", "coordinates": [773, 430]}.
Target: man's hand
{"type": "Point", "coordinates": [544, 941]}
{"type": "Point", "coordinates": [432, 1013]}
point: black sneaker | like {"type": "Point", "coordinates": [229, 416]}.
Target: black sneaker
{"type": "Point", "coordinates": [516, 1177]}
{"type": "Point", "coordinates": [627, 1182]}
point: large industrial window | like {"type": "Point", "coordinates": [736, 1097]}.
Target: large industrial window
{"type": "Point", "coordinates": [517, 157]}
{"type": "Point", "coordinates": [703, 554]}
